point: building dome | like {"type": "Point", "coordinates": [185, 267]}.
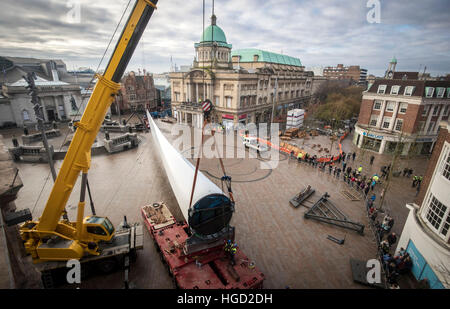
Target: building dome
{"type": "Point", "coordinates": [213, 33]}
{"type": "Point", "coordinates": [394, 60]}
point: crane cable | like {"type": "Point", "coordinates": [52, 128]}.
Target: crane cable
{"type": "Point", "coordinates": [84, 100]}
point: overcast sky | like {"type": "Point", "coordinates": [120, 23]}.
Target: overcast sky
{"type": "Point", "coordinates": [320, 33]}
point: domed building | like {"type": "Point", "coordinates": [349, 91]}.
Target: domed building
{"type": "Point", "coordinates": [244, 85]}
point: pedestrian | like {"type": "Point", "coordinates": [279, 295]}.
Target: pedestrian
{"type": "Point", "coordinates": [338, 173]}
{"type": "Point", "coordinates": [334, 171]}
{"type": "Point", "coordinates": [348, 156]}
{"type": "Point", "coordinates": [349, 170]}
{"type": "Point", "coordinates": [299, 157]}
{"type": "Point", "coordinates": [369, 204]}
{"type": "Point", "coordinates": [373, 197]}
{"type": "Point", "coordinates": [330, 167]}
{"type": "Point", "coordinates": [366, 189]}
{"type": "Point", "coordinates": [339, 158]}
{"type": "Point", "coordinates": [405, 171]}
{"type": "Point", "coordinates": [354, 156]}
{"type": "Point", "coordinates": [392, 239]}
{"type": "Point", "coordinates": [410, 172]}
{"type": "Point", "coordinates": [360, 169]}
{"type": "Point", "coordinates": [344, 165]}
{"type": "Point", "coordinates": [415, 178]}
{"type": "Point", "coordinates": [15, 141]}
{"type": "Point", "coordinates": [371, 159]}
{"type": "Point", "coordinates": [343, 157]}
{"type": "Point", "coordinates": [372, 185]}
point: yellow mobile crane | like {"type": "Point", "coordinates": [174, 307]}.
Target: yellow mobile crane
{"type": "Point", "coordinates": [51, 240]}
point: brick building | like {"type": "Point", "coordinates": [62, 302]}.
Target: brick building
{"type": "Point", "coordinates": [354, 73]}
{"type": "Point", "coordinates": [400, 108]}
{"type": "Point", "coordinates": [426, 234]}
{"type": "Point", "coordinates": [137, 92]}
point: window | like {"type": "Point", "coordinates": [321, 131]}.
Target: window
{"type": "Point", "coordinates": [429, 91]}
{"type": "Point", "coordinates": [436, 110]}
{"type": "Point", "coordinates": [381, 89]}
{"type": "Point", "coordinates": [409, 90]}
{"type": "Point", "coordinates": [420, 126]}
{"type": "Point", "coordinates": [217, 101]}
{"type": "Point", "coordinates": [377, 105]}
{"type": "Point", "coordinates": [177, 97]}
{"type": "Point", "coordinates": [96, 230]}
{"type": "Point", "coordinates": [395, 89]}
{"type": "Point", "coordinates": [446, 110]}
{"type": "Point", "coordinates": [373, 120]}
{"type": "Point", "coordinates": [25, 115]}
{"type": "Point", "coordinates": [446, 169]}
{"type": "Point", "coordinates": [398, 125]}
{"type": "Point", "coordinates": [386, 122]}
{"type": "Point", "coordinates": [390, 106]}
{"type": "Point", "coordinates": [437, 215]}
{"type": "Point", "coordinates": [440, 92]}
{"type": "Point", "coordinates": [425, 110]}
{"type": "Point", "coordinates": [403, 108]}
{"type": "Point", "coordinates": [431, 126]}
{"type": "Point", "coordinates": [448, 92]}
{"type": "Point", "coordinates": [228, 100]}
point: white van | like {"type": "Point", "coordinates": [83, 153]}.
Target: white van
{"type": "Point", "coordinates": [252, 142]}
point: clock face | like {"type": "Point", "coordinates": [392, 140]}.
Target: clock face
{"type": "Point", "coordinates": [390, 74]}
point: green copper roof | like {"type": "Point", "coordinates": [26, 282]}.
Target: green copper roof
{"type": "Point", "coordinates": [394, 60]}
{"type": "Point", "coordinates": [213, 33]}
{"type": "Point", "coordinates": [247, 55]}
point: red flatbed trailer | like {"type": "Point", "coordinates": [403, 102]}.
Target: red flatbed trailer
{"type": "Point", "coordinates": [207, 269]}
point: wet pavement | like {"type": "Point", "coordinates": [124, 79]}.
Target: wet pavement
{"type": "Point", "coordinates": [290, 250]}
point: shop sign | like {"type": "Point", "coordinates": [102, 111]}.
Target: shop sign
{"type": "Point", "coordinates": [373, 135]}
{"type": "Point", "coordinates": [226, 116]}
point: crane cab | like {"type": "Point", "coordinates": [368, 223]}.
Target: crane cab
{"type": "Point", "coordinates": [98, 228]}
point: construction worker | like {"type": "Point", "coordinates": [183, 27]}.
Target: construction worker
{"type": "Point", "coordinates": [415, 179]}
{"type": "Point", "coordinates": [299, 156]}
{"type": "Point", "coordinates": [233, 251]}
{"type": "Point", "coordinates": [359, 169]}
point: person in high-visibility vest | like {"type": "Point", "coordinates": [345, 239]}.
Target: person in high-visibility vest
{"type": "Point", "coordinates": [359, 169]}
{"type": "Point", "coordinates": [233, 251]}
{"type": "Point", "coordinates": [299, 156]}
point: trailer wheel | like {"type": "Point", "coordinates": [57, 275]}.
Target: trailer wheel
{"type": "Point", "coordinates": [108, 265]}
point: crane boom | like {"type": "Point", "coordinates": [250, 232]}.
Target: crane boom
{"type": "Point", "coordinates": [51, 238]}
{"type": "Point", "coordinates": [78, 156]}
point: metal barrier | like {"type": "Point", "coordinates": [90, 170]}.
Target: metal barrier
{"type": "Point", "coordinates": [30, 153]}
{"type": "Point", "coordinates": [122, 142]}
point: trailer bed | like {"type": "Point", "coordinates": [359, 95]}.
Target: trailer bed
{"type": "Point", "coordinates": [207, 269]}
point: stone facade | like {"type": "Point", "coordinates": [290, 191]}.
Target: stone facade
{"type": "Point", "coordinates": [242, 92]}
{"type": "Point", "coordinates": [54, 94]}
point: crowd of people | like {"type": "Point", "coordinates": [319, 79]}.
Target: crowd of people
{"type": "Point", "coordinates": [394, 265]}
{"type": "Point", "coordinates": [341, 169]}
